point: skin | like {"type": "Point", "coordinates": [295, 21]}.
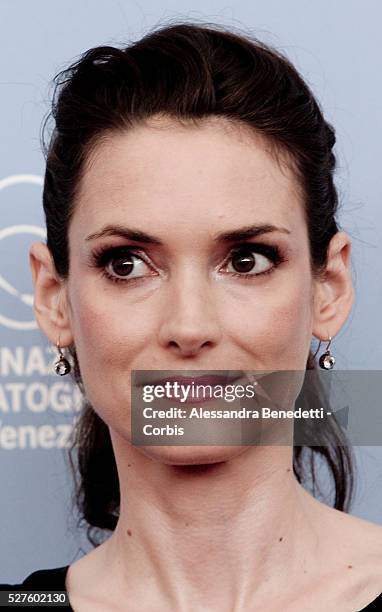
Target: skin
{"type": "Point", "coordinates": [202, 528]}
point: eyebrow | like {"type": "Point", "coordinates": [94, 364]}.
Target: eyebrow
{"type": "Point", "coordinates": [250, 231]}
{"type": "Point", "coordinates": [124, 232]}
{"type": "Point", "coordinates": [242, 233]}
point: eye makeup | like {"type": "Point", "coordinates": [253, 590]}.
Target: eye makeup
{"type": "Point", "coordinates": [102, 257]}
{"type": "Point", "coordinates": [272, 253]}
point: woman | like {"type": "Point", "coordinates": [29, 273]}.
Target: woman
{"type": "Point", "coordinates": [190, 210]}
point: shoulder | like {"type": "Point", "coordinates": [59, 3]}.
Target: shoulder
{"type": "Point", "coordinates": [349, 554]}
{"type": "Point", "coordinates": [353, 543]}
{"type": "Point", "coordinates": [44, 579]}
{"type": "Point", "coordinates": [360, 537]}
{"type": "Point", "coordinates": [346, 536]}
{"type": "Point", "coordinates": [356, 544]}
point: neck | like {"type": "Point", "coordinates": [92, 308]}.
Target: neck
{"type": "Point", "coordinates": [213, 534]}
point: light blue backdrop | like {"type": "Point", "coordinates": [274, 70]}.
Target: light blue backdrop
{"type": "Point", "coordinates": [337, 47]}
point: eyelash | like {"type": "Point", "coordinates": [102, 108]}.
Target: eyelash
{"type": "Point", "coordinates": [101, 257]}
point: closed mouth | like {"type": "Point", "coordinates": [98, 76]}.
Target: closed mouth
{"type": "Point", "coordinates": [207, 378]}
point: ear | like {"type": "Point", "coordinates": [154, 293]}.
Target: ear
{"type": "Point", "coordinates": [333, 293]}
{"type": "Point", "coordinates": [50, 306]}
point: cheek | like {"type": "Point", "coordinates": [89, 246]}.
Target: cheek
{"type": "Point", "coordinates": [107, 328]}
{"type": "Point", "coordinates": [274, 321]}
{"type": "Point", "coordinates": [106, 343]}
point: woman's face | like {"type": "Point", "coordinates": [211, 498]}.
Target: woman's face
{"type": "Point", "coordinates": [185, 299]}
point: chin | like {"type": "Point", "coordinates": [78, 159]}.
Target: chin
{"type": "Point", "coordinates": [191, 455]}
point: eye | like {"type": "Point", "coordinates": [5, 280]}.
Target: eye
{"type": "Point", "coordinates": [121, 264]}
{"type": "Point", "coordinates": [253, 259]}
{"type": "Point", "coordinates": [125, 265]}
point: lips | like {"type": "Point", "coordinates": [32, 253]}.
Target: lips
{"type": "Point", "coordinates": [207, 382]}
{"type": "Point", "coordinates": [197, 380]}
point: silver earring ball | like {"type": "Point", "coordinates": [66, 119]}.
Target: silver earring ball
{"type": "Point", "coordinates": [62, 365]}
{"type": "Point", "coordinates": [327, 360]}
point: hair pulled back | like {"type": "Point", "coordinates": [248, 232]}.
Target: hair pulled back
{"type": "Point", "coordinates": [187, 72]}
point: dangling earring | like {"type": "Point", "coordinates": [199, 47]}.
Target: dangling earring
{"type": "Point", "coordinates": [62, 366]}
{"type": "Point", "coordinates": [327, 360]}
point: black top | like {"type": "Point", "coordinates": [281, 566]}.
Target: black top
{"type": "Point", "coordinates": [54, 579]}
{"type": "Point", "coordinates": [42, 580]}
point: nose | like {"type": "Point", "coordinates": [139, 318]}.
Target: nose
{"type": "Point", "coordinates": [190, 321]}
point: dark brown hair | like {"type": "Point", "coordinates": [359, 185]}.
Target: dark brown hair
{"type": "Point", "coordinates": [188, 72]}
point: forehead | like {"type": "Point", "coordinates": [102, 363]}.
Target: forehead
{"type": "Point", "coordinates": [201, 171]}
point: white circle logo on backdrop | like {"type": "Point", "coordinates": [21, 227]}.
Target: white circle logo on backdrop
{"type": "Point", "coordinates": [15, 230]}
